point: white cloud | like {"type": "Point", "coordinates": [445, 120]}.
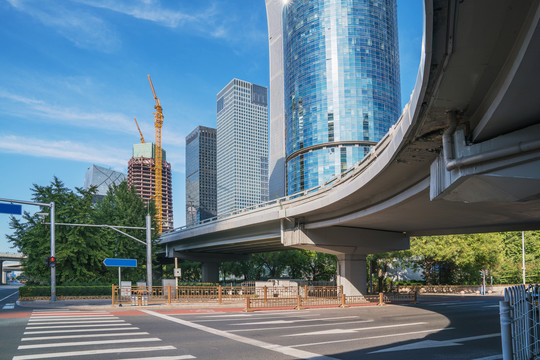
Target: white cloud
{"type": "Point", "coordinates": [67, 150]}
{"type": "Point", "coordinates": [73, 117]}
{"type": "Point", "coordinates": [83, 29]}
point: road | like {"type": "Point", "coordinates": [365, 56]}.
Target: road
{"type": "Point", "coordinates": [437, 328]}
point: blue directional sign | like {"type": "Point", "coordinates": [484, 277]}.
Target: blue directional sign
{"type": "Point", "coordinates": [11, 209]}
{"type": "Point", "coordinates": [121, 262]}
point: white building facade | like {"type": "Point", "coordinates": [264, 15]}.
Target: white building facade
{"type": "Point", "coordinates": [242, 146]}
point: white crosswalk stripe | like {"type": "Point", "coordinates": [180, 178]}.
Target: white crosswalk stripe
{"type": "Point", "coordinates": [87, 333]}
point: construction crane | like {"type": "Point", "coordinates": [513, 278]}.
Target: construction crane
{"type": "Point", "coordinates": [158, 161]}
{"type": "Point", "coordinates": [140, 132]}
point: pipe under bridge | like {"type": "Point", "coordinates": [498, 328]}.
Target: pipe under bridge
{"type": "Point", "coordinates": [464, 156]}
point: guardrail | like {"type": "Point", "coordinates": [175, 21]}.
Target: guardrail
{"type": "Point", "coordinates": [520, 322]}
{"type": "Point", "coordinates": [252, 297]}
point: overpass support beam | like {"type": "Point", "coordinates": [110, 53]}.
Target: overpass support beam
{"type": "Point", "coordinates": [210, 271]}
{"type": "Point", "coordinates": [3, 280]}
{"type": "Point", "coordinates": [349, 244]}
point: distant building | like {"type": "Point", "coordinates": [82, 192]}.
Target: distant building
{"type": "Point", "coordinates": [201, 195]}
{"type": "Point", "coordinates": [102, 178]}
{"type": "Point", "coordinates": [242, 146]}
{"type": "Point", "coordinates": [141, 176]}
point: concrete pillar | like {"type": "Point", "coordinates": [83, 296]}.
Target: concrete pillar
{"type": "Point", "coordinates": [352, 274]}
{"type": "Point", "coordinates": [4, 275]}
{"type": "Point", "coordinates": [210, 271]}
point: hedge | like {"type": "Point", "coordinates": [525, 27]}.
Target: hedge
{"type": "Point", "coordinates": [37, 291]}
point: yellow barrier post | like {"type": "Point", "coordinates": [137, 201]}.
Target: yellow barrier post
{"type": "Point", "coordinates": [343, 301]}
{"type": "Point", "coordinates": [113, 289]}
{"type": "Point", "coordinates": [298, 303]}
{"type": "Point", "coordinates": [140, 297]}
{"type": "Point", "coordinates": [219, 294]}
{"type": "Point", "coordinates": [248, 305]}
{"type": "Point", "coordinates": [265, 295]}
{"type": "Point", "coordinates": [169, 294]}
{"type": "Point", "coordinates": [381, 299]}
{"type": "Point", "coordinates": [305, 292]}
{"type": "Point", "coordinates": [414, 297]}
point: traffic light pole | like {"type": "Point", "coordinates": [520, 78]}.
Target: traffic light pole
{"type": "Point", "coordinates": [53, 255]}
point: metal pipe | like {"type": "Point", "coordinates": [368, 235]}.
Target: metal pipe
{"type": "Point", "coordinates": [493, 154]}
{"type": "Point", "coordinates": [448, 148]}
{"type": "Point", "coordinates": [506, 330]}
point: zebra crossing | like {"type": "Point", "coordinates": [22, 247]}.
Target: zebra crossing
{"type": "Point", "coordinates": [70, 334]}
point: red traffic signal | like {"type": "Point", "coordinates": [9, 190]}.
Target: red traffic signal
{"type": "Point", "coordinates": [52, 261]}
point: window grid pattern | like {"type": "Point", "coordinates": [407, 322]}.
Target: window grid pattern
{"type": "Point", "coordinates": [341, 60]}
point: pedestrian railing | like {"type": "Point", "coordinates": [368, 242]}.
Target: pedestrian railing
{"type": "Point", "coordinates": [520, 323]}
{"type": "Point", "coordinates": [253, 297]}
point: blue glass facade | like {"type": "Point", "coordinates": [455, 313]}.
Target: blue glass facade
{"type": "Point", "coordinates": [341, 82]}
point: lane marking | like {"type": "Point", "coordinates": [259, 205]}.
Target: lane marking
{"type": "Point", "coordinates": [75, 326]}
{"type": "Point", "coordinates": [177, 357]}
{"type": "Point", "coordinates": [275, 322]}
{"type": "Point", "coordinates": [79, 330]}
{"type": "Point", "coordinates": [428, 344]}
{"type": "Point", "coordinates": [301, 326]}
{"type": "Point", "coordinates": [286, 350]}
{"type": "Point", "coordinates": [9, 306]}
{"type": "Point", "coordinates": [77, 322]}
{"type": "Point", "coordinates": [494, 357]}
{"type": "Point", "coordinates": [92, 352]}
{"type": "Point", "coordinates": [372, 337]}
{"type": "Point", "coordinates": [82, 343]}
{"type": "Point", "coordinates": [71, 318]}
{"type": "Point", "coordinates": [352, 331]}
{"type": "Point", "coordinates": [59, 337]}
{"type": "Point", "coordinates": [10, 295]}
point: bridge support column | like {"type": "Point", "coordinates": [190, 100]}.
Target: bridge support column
{"type": "Point", "coordinates": [210, 271]}
{"type": "Point", "coordinates": [4, 275]}
{"type": "Point", "coordinates": [352, 274]}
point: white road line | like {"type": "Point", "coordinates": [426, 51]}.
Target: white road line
{"type": "Point", "coordinates": [430, 344]}
{"type": "Point", "coordinates": [79, 330]}
{"type": "Point", "coordinates": [372, 337]}
{"type": "Point", "coordinates": [9, 306]}
{"type": "Point", "coordinates": [494, 357]}
{"type": "Point", "coordinates": [62, 315]}
{"type": "Point", "coordinates": [349, 331]}
{"type": "Point", "coordinates": [250, 316]}
{"type": "Point", "coordinates": [275, 322]}
{"type": "Point", "coordinates": [71, 318]}
{"type": "Point", "coordinates": [287, 350]}
{"type": "Point", "coordinates": [60, 337]}
{"type": "Point", "coordinates": [80, 322]}
{"type": "Point", "coordinates": [457, 303]}
{"type": "Point", "coordinates": [10, 295]}
{"type": "Point", "coordinates": [92, 352]}
{"type": "Point", "coordinates": [75, 326]}
{"type": "Point", "coordinates": [178, 357]}
{"type": "Point", "coordinates": [82, 343]}
{"type": "Point", "coordinates": [300, 326]}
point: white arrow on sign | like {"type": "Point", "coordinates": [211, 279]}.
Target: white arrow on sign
{"type": "Point", "coordinates": [427, 344]}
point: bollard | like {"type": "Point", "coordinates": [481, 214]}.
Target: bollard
{"type": "Point", "coordinates": [506, 330]}
{"type": "Point", "coordinates": [343, 301]}
{"type": "Point", "coordinates": [113, 293]}
{"type": "Point", "coordinates": [298, 303]}
{"type": "Point", "coordinates": [414, 298]}
{"type": "Point", "coordinates": [140, 297]}
{"type": "Point", "coordinates": [169, 294]}
{"type": "Point", "coordinates": [265, 295]}
{"type": "Point", "coordinates": [381, 299]}
{"type": "Point", "coordinates": [248, 305]}
{"type": "Point", "coordinates": [219, 294]}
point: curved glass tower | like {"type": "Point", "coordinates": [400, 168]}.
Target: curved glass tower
{"type": "Point", "coordinates": [341, 84]}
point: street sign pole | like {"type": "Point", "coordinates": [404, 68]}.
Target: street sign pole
{"type": "Point", "coordinates": [148, 252]}
{"type": "Point", "coordinates": [53, 254]}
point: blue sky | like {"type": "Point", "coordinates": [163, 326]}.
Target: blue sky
{"type": "Point", "coordinates": [74, 74]}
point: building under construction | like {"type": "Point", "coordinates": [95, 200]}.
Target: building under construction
{"type": "Point", "coordinates": [141, 176]}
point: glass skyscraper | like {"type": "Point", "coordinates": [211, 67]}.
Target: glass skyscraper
{"type": "Point", "coordinates": [340, 81]}
{"type": "Point", "coordinates": [201, 195]}
{"type": "Point", "coordinates": [242, 146]}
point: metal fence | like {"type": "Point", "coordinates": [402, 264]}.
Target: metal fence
{"type": "Point", "coordinates": [251, 297]}
{"type": "Point", "coordinates": [520, 323]}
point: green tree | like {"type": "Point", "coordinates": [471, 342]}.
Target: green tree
{"type": "Point", "coordinates": [80, 251]}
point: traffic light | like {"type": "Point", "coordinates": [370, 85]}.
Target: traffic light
{"type": "Point", "coordinates": [52, 261]}
{"type": "Point", "coordinates": [47, 260]}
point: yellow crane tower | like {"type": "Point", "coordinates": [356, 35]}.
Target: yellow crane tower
{"type": "Point", "coordinates": [140, 132]}
{"type": "Point", "coordinates": [158, 160]}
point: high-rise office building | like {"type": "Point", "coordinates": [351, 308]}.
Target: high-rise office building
{"type": "Point", "coordinates": [102, 178]}
{"type": "Point", "coordinates": [201, 195]}
{"type": "Point", "coordinates": [334, 82]}
{"type": "Point", "coordinates": [141, 176]}
{"type": "Point", "coordinates": [242, 146]}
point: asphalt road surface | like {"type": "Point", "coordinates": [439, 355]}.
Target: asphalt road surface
{"type": "Point", "coordinates": [444, 328]}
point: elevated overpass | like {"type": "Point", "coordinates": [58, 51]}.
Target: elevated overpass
{"type": "Point", "coordinates": [464, 156]}
{"type": "Point", "coordinates": [16, 258]}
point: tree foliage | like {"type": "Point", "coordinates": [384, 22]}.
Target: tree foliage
{"type": "Point", "coordinates": [80, 251]}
